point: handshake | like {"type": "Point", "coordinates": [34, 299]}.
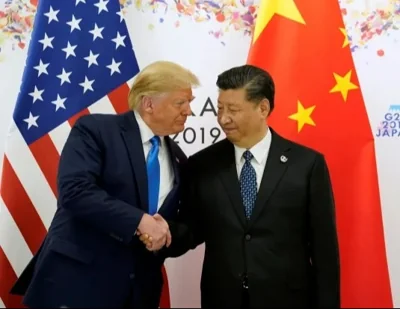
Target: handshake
{"type": "Point", "coordinates": [154, 232]}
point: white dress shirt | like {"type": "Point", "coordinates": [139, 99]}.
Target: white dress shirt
{"type": "Point", "coordinates": [260, 154]}
{"type": "Point", "coordinates": [166, 171]}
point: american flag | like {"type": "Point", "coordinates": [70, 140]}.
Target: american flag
{"type": "Point", "coordinates": [80, 60]}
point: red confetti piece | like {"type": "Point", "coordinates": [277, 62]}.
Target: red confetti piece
{"type": "Point", "coordinates": [220, 17]}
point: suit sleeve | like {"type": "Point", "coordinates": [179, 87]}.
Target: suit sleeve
{"type": "Point", "coordinates": [323, 242]}
{"type": "Point", "coordinates": [78, 180]}
{"type": "Point", "coordinates": [187, 230]}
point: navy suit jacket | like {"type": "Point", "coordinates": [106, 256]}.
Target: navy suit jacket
{"type": "Point", "coordinates": [90, 256]}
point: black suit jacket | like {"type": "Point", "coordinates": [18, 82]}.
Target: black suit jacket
{"type": "Point", "coordinates": [288, 250]}
{"type": "Point", "coordinates": [90, 257]}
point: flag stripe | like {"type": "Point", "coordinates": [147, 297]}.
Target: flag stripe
{"type": "Point", "coordinates": [46, 156]}
{"type": "Point", "coordinates": [8, 278]}
{"type": "Point", "coordinates": [28, 172]}
{"type": "Point", "coordinates": [102, 106]}
{"type": "Point", "coordinates": [119, 98]}
{"type": "Point", "coordinates": [12, 241]}
{"type": "Point", "coordinates": [165, 301]}
{"type": "Point", "coordinates": [130, 82]}
{"type": "Point", "coordinates": [59, 136]}
{"type": "Point", "coordinates": [20, 207]}
{"type": "Point", "coordinates": [75, 117]}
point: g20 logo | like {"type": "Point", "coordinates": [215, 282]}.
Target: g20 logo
{"type": "Point", "coordinates": [390, 127]}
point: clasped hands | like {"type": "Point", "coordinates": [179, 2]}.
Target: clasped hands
{"type": "Point", "coordinates": [154, 232]}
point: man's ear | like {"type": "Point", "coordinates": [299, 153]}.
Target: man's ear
{"type": "Point", "coordinates": [147, 104]}
{"type": "Point", "coordinates": [265, 107]}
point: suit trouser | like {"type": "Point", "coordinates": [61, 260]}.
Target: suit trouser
{"type": "Point", "coordinates": [245, 299]}
{"type": "Point", "coordinates": [128, 301]}
{"type": "Point", "coordinates": [245, 294]}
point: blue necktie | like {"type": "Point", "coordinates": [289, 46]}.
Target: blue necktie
{"type": "Point", "coordinates": [153, 174]}
{"type": "Point", "coordinates": [248, 184]}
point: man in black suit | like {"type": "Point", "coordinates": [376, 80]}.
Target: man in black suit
{"type": "Point", "coordinates": [115, 172]}
{"type": "Point", "coordinates": [263, 206]}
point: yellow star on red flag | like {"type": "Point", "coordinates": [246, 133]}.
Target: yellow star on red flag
{"type": "Point", "coordinates": [303, 116]}
{"type": "Point", "coordinates": [284, 8]}
{"type": "Point", "coordinates": [343, 84]}
{"type": "Point", "coordinates": [346, 38]}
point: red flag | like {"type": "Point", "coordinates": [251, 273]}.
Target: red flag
{"type": "Point", "coordinates": [319, 103]}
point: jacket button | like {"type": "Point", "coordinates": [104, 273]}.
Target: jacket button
{"type": "Point", "coordinates": [248, 237]}
{"type": "Point", "coordinates": [132, 276]}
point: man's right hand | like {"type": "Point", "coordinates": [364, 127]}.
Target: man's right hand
{"type": "Point", "coordinates": [156, 231]}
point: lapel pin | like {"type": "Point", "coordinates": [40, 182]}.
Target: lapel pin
{"type": "Point", "coordinates": [177, 160]}
{"type": "Point", "coordinates": [284, 159]}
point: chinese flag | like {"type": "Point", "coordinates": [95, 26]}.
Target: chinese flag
{"type": "Point", "coordinates": [319, 103]}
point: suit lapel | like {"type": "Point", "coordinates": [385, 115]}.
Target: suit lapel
{"type": "Point", "coordinates": [229, 178]}
{"type": "Point", "coordinates": [134, 146]}
{"type": "Point", "coordinates": [275, 168]}
{"type": "Point", "coordinates": [169, 200]}
{"type": "Point", "coordinates": [174, 161]}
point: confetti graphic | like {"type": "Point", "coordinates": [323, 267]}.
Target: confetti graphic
{"type": "Point", "coordinates": [16, 21]}
{"type": "Point", "coordinates": [229, 15]}
{"type": "Point", "coordinates": [364, 22]}
{"type": "Point", "coordinates": [369, 23]}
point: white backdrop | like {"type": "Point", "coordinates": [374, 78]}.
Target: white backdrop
{"type": "Point", "coordinates": [192, 46]}
{"type": "Point", "coordinates": [210, 44]}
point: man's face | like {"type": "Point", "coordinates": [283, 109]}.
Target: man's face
{"type": "Point", "coordinates": [240, 119]}
{"type": "Point", "coordinates": [171, 110]}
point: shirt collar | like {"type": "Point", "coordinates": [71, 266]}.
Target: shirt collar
{"type": "Point", "coordinates": [145, 132]}
{"type": "Point", "coordinates": [259, 150]}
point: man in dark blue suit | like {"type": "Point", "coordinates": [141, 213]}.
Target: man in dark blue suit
{"type": "Point", "coordinates": [115, 173]}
